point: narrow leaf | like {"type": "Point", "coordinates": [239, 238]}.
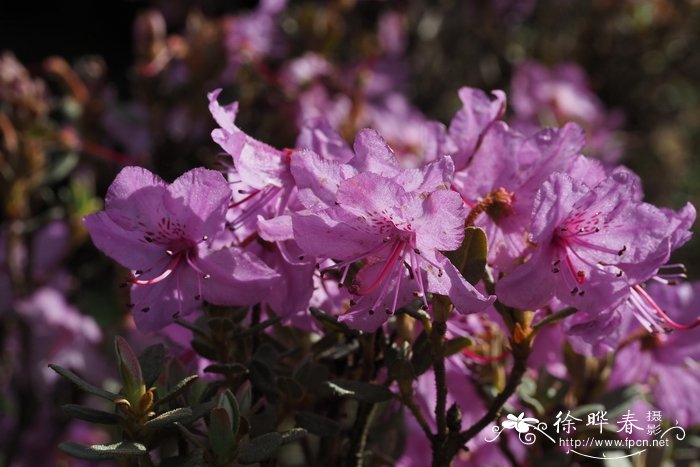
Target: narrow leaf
{"type": "Point", "coordinates": [129, 370]}
{"type": "Point", "coordinates": [317, 424]}
{"type": "Point", "coordinates": [260, 448]}
{"type": "Point", "coordinates": [221, 437]}
{"type": "Point", "coordinates": [82, 384]}
{"type": "Point", "coordinates": [229, 403]}
{"type": "Point", "coordinates": [292, 435]}
{"type": "Point", "coordinates": [361, 391]}
{"type": "Point", "coordinates": [89, 415]}
{"type": "Point", "coordinates": [103, 451]}
{"type": "Point", "coordinates": [177, 390]}
{"type": "Point", "coordinates": [168, 418]}
{"type": "Point", "coordinates": [151, 361]}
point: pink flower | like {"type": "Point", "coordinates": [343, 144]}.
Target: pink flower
{"type": "Point", "coordinates": [396, 221]}
{"type": "Point", "coordinates": [164, 234]}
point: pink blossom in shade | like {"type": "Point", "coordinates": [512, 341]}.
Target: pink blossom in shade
{"type": "Point", "coordinates": [583, 237]}
{"type": "Point", "coordinates": [665, 363]}
{"type": "Point", "coordinates": [164, 234]}
{"type": "Point", "coordinates": [253, 36]}
{"type": "Point", "coordinates": [60, 335]}
{"type": "Point", "coordinates": [398, 234]}
{"type": "Point", "coordinates": [48, 247]}
{"type": "Point", "coordinates": [551, 97]}
{"type": "Point", "coordinates": [291, 295]}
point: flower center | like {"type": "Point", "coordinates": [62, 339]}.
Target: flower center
{"type": "Point", "coordinates": [574, 240]}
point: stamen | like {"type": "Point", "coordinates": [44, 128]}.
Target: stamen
{"type": "Point", "coordinates": [241, 201]}
{"type": "Point", "coordinates": [170, 268]}
{"type": "Point", "coordinates": [663, 315]}
{"type": "Point", "coordinates": [389, 264]}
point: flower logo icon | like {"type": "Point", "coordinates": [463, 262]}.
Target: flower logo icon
{"type": "Point", "coordinates": [521, 423]}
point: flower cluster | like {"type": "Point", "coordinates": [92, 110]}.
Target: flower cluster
{"type": "Point", "coordinates": [562, 228]}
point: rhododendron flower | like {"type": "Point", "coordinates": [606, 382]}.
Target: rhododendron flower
{"type": "Point", "coordinates": [398, 221]}
{"type": "Point", "coordinates": [666, 362]}
{"type": "Point", "coordinates": [598, 333]}
{"type": "Point", "coordinates": [469, 125]}
{"type": "Point", "coordinates": [504, 175]}
{"type": "Point", "coordinates": [260, 173]}
{"type": "Point", "coordinates": [164, 234]}
{"type": "Point", "coordinates": [584, 236]}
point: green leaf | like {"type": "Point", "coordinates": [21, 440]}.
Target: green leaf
{"type": "Point", "coordinates": [198, 411]}
{"type": "Point", "coordinates": [361, 391]}
{"type": "Point", "coordinates": [292, 435]}
{"type": "Point", "coordinates": [256, 329]}
{"type": "Point", "coordinates": [260, 448]}
{"type": "Point", "coordinates": [103, 451]}
{"type": "Point", "coordinates": [421, 358]}
{"type": "Point", "coordinates": [470, 257]}
{"type": "Point", "coordinates": [204, 349]}
{"type": "Point", "coordinates": [60, 169]}
{"type": "Point", "coordinates": [291, 388]}
{"type": "Point", "coordinates": [330, 322]}
{"type": "Point", "coordinates": [168, 418]}
{"type": "Point", "coordinates": [191, 437]}
{"type": "Point", "coordinates": [152, 361]}
{"type": "Point", "coordinates": [130, 371]}
{"type": "Point", "coordinates": [229, 403]}
{"type": "Point", "coordinates": [221, 436]}
{"type": "Point", "coordinates": [245, 397]}
{"type": "Point", "coordinates": [84, 385]}
{"type": "Point", "coordinates": [177, 390]}
{"type": "Point", "coordinates": [226, 368]}
{"type": "Point", "coordinates": [262, 378]}
{"type": "Point", "coordinates": [317, 424]}
{"type": "Point", "coordinates": [89, 415]}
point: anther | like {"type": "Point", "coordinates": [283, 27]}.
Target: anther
{"type": "Point", "coordinates": [197, 297]}
{"type": "Point", "coordinates": [206, 276]}
{"type": "Point", "coordinates": [371, 311]}
{"type": "Point", "coordinates": [146, 309]}
{"type": "Point", "coordinates": [574, 291]}
{"type": "Point", "coordinates": [624, 248]}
